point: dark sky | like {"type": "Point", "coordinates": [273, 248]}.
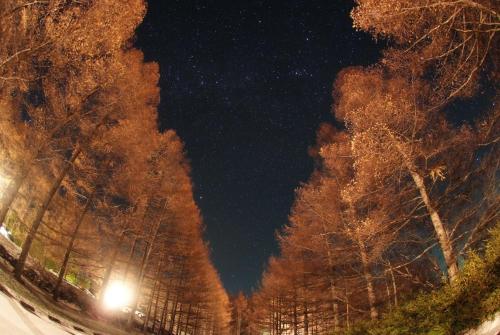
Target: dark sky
{"type": "Point", "coordinates": [246, 84]}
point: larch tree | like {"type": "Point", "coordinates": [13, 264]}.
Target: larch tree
{"type": "Point", "coordinates": [396, 141]}
{"type": "Point", "coordinates": [65, 88]}
{"type": "Point", "coordinates": [79, 118]}
{"type": "Point", "coordinates": [450, 42]}
{"type": "Point", "coordinates": [407, 185]}
{"type": "Point", "coordinates": [65, 63]}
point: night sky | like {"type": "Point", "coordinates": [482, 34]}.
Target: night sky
{"type": "Point", "coordinates": [246, 84]}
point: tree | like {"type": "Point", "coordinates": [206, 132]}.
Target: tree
{"type": "Point", "coordinates": [85, 160]}
{"type": "Point", "coordinates": [396, 141]}
{"type": "Point", "coordinates": [448, 41]}
{"type": "Point", "coordinates": [401, 183]}
{"type": "Point", "coordinates": [62, 63]}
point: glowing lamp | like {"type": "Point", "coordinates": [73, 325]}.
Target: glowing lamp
{"type": "Point", "coordinates": [117, 295]}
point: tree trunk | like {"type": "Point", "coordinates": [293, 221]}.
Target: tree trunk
{"type": "Point", "coordinates": [335, 306]}
{"type": "Point", "coordinates": [214, 326]}
{"type": "Point", "coordinates": [138, 286]}
{"type": "Point", "coordinates": [295, 332]}
{"type": "Point", "coordinates": [279, 324]}
{"type": "Point", "coordinates": [443, 238]}
{"type": "Point", "coordinates": [368, 278]}
{"type": "Point", "coordinates": [10, 194]}
{"type": "Point", "coordinates": [394, 286]}
{"type": "Point", "coordinates": [109, 269]}
{"type": "Point", "coordinates": [69, 249]}
{"type": "Point", "coordinates": [142, 271]}
{"type": "Point", "coordinates": [238, 322]}
{"type": "Point", "coordinates": [306, 320]}
{"type": "Point", "coordinates": [273, 318]}
{"type": "Point", "coordinates": [150, 306]}
{"type": "Point", "coordinates": [177, 288]}
{"type": "Point", "coordinates": [40, 212]}
{"type": "Point", "coordinates": [271, 324]}
{"type": "Point", "coordinates": [188, 316]}
{"type": "Point", "coordinates": [174, 314]}
{"type": "Point", "coordinates": [388, 292]}
{"type": "Point", "coordinates": [335, 316]}
{"type": "Point", "coordinates": [196, 321]}
{"type": "Point", "coordinates": [155, 313]}
{"type": "Point", "coordinates": [164, 312]}
{"type": "Point", "coordinates": [16, 184]}
{"type": "Point", "coordinates": [129, 260]}
{"type": "Point", "coordinates": [153, 291]}
{"type": "Point", "coordinates": [347, 309]}
{"type": "Point", "coordinates": [179, 323]}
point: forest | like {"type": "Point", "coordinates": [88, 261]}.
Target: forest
{"type": "Point", "coordinates": [395, 232]}
{"type": "Point", "coordinates": [91, 191]}
{"type": "Point", "coordinates": [405, 190]}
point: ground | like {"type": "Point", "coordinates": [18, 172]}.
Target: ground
{"type": "Point", "coordinates": [25, 309]}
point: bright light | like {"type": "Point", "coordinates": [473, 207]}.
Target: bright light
{"type": "Point", "coordinates": [4, 232]}
{"type": "Point", "coordinates": [117, 295]}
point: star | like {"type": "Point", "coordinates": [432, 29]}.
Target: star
{"type": "Point", "coordinates": [245, 85]}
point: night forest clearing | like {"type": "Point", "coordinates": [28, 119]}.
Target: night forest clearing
{"type": "Point", "coordinates": [395, 231]}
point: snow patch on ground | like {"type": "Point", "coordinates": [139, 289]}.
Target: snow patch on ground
{"type": "Point", "coordinates": [490, 327]}
{"type": "Point", "coordinates": [15, 319]}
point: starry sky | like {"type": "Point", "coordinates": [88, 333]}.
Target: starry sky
{"type": "Point", "coordinates": [246, 84]}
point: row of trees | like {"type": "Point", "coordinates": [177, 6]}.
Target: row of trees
{"type": "Point", "coordinates": [90, 188]}
{"type": "Point", "coordinates": [406, 185]}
